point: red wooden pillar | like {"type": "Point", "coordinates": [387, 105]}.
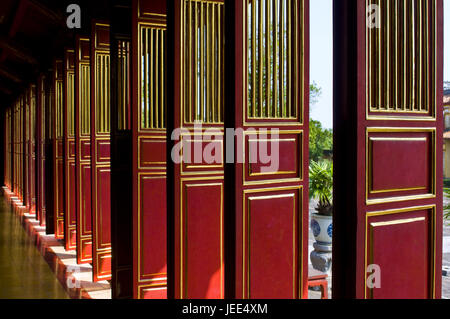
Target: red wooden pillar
{"type": "Point", "coordinates": [100, 151]}
{"type": "Point", "coordinates": [149, 149]}
{"type": "Point", "coordinates": [195, 183]}
{"type": "Point", "coordinates": [388, 149]}
{"type": "Point", "coordinates": [83, 149]}
{"type": "Point", "coordinates": [70, 184]}
{"type": "Point", "coordinates": [267, 89]}
{"type": "Point", "coordinates": [58, 148]}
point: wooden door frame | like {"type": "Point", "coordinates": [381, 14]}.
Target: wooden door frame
{"type": "Point", "coordinates": [349, 127]}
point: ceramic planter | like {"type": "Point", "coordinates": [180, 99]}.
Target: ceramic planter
{"type": "Point", "coordinates": [322, 228]}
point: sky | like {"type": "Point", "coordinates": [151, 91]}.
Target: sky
{"type": "Point", "coordinates": [321, 59]}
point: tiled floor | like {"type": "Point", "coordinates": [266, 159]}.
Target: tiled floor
{"type": "Point", "coordinates": [62, 277]}
{"type": "Point", "coordinates": [24, 274]}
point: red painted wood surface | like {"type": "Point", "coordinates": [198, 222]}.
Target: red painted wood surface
{"type": "Point", "coordinates": [197, 187]}
{"type": "Point", "coordinates": [29, 134]}
{"type": "Point", "coordinates": [70, 185]}
{"type": "Point", "coordinates": [83, 149]}
{"type": "Point", "coordinates": [32, 146]}
{"type": "Point", "coordinates": [100, 152]}
{"type": "Point", "coordinates": [271, 208]}
{"type": "Point", "coordinates": [58, 148]}
{"type": "Point", "coordinates": [26, 149]}
{"type": "Point", "coordinates": [149, 160]}
{"type": "Point", "coordinates": [393, 157]}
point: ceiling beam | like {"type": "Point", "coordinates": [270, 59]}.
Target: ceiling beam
{"type": "Point", "coordinates": [47, 12]}
{"type": "Point", "coordinates": [10, 75]}
{"type": "Point", "coordinates": [5, 90]}
{"type": "Point", "coordinates": [18, 17]}
{"type": "Point", "coordinates": [17, 51]}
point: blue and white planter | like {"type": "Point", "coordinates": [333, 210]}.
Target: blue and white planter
{"type": "Point", "coordinates": [322, 228]}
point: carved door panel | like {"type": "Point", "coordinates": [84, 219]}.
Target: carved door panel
{"type": "Point", "coordinates": [32, 152]}
{"type": "Point", "coordinates": [269, 197]}
{"type": "Point", "coordinates": [58, 148]}
{"type": "Point", "coordinates": [40, 151]}
{"type": "Point", "coordinates": [26, 150]}
{"type": "Point", "coordinates": [100, 151]}
{"type": "Point", "coordinates": [149, 150]}
{"type": "Point", "coordinates": [389, 87]}
{"type": "Point", "coordinates": [197, 182]}
{"type": "Point", "coordinates": [70, 221]}
{"type": "Point", "coordinates": [83, 149]}
{"type": "Point", "coordinates": [8, 148]}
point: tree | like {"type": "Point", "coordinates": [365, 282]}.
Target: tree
{"type": "Point", "coordinates": [320, 139]}
{"type": "Point", "coordinates": [314, 94]}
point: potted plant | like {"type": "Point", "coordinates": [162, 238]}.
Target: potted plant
{"type": "Point", "coordinates": [321, 189]}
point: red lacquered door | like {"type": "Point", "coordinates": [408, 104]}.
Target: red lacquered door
{"type": "Point", "coordinates": [49, 154]}
{"type": "Point", "coordinates": [8, 135]}
{"type": "Point", "coordinates": [40, 151]}
{"type": "Point", "coordinates": [197, 184]}
{"type": "Point", "coordinates": [58, 154]}
{"type": "Point", "coordinates": [100, 151]}
{"type": "Point", "coordinates": [70, 221]}
{"type": "Point", "coordinates": [269, 197]}
{"type": "Point", "coordinates": [31, 121]}
{"type": "Point", "coordinates": [20, 149]}
{"type": "Point", "coordinates": [83, 149]}
{"type": "Point", "coordinates": [32, 161]}
{"type": "Point", "coordinates": [149, 150]}
{"type": "Point", "coordinates": [388, 85]}
{"type": "Point", "coordinates": [26, 150]}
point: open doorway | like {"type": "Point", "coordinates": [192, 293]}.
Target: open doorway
{"type": "Point", "coordinates": [446, 230]}
{"type": "Point", "coordinates": [321, 143]}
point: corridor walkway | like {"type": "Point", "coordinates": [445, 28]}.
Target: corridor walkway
{"type": "Point", "coordinates": [24, 274]}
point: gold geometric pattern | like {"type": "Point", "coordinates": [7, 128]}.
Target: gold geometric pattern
{"type": "Point", "coordinates": [203, 61]}
{"type": "Point", "coordinates": [271, 59]}
{"type": "Point", "coordinates": [400, 57]}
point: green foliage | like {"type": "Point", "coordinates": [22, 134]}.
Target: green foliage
{"type": "Point", "coordinates": [446, 182]}
{"type": "Point", "coordinates": [314, 93]}
{"type": "Point", "coordinates": [321, 186]}
{"type": "Point", "coordinates": [447, 207]}
{"type": "Point", "coordinates": [320, 139]}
